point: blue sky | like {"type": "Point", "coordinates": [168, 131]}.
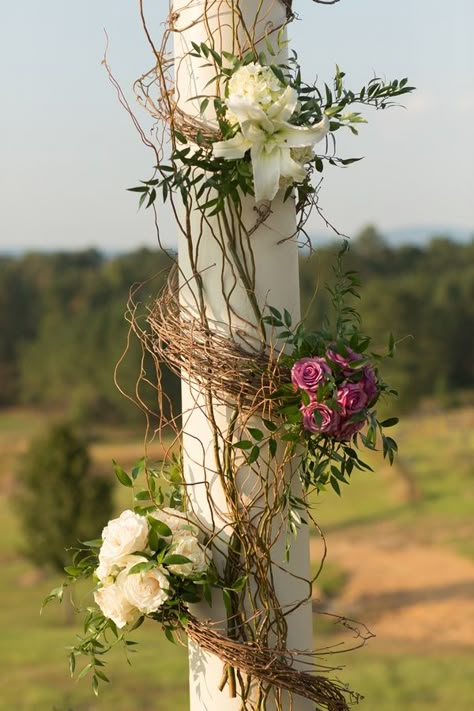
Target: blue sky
{"type": "Point", "coordinates": [68, 150]}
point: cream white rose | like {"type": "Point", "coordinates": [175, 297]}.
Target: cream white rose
{"type": "Point", "coordinates": [146, 590]}
{"type": "Point", "coordinates": [105, 572]}
{"type": "Point", "coordinates": [123, 535]}
{"type": "Point", "coordinates": [176, 521]}
{"type": "Point", "coordinates": [198, 556]}
{"type": "Point", "coordinates": [115, 605]}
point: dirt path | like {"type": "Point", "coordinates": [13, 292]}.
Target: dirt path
{"type": "Point", "coordinates": [408, 592]}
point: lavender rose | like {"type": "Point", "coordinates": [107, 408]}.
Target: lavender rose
{"type": "Point", "coordinates": [308, 373]}
{"type": "Point", "coordinates": [369, 383]}
{"type": "Point", "coordinates": [352, 397]}
{"type": "Point", "coordinates": [344, 362]}
{"type": "Point", "coordinates": [347, 429]}
{"type": "Point", "coordinates": [329, 422]}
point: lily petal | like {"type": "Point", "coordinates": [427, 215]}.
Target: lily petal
{"type": "Point", "coordinates": [233, 148]}
{"type": "Point", "coordinates": [246, 110]}
{"type": "Point", "coordinates": [284, 108]}
{"type": "Point", "coordinates": [253, 132]}
{"type": "Point", "coordinates": [301, 136]}
{"type": "Point", "coordinates": [290, 168]}
{"type": "Point", "coordinates": [266, 171]}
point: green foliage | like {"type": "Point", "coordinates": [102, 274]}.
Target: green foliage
{"type": "Point", "coordinates": [60, 503]}
{"type": "Point", "coordinates": [192, 169]}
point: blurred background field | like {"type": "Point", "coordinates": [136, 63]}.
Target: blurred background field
{"type": "Point", "coordinates": [400, 541]}
{"type": "Point", "coordinates": [422, 666]}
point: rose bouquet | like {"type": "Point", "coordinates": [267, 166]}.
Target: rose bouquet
{"type": "Point", "coordinates": [326, 412]}
{"type": "Point", "coordinates": [336, 391]}
{"type": "Point", "coordinates": [328, 393]}
{"type": "Point", "coordinates": [148, 563]}
{"type": "Point", "coordinates": [328, 409]}
{"type": "Point", "coordinates": [151, 562]}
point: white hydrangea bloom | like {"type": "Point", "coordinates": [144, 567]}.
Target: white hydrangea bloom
{"type": "Point", "coordinates": [299, 156]}
{"type": "Point", "coordinates": [254, 84]}
{"type": "Point", "coordinates": [198, 556]}
{"type": "Point", "coordinates": [146, 590]}
{"type": "Point", "coordinates": [302, 155]}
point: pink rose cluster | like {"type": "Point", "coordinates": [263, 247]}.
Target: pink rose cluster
{"type": "Point", "coordinates": [356, 389]}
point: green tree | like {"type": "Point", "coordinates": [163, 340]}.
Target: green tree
{"type": "Point", "coordinates": [63, 326]}
{"type": "Point", "coordinates": [60, 502]}
{"type": "Point", "coordinates": [81, 335]}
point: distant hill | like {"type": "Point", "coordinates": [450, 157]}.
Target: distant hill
{"type": "Point", "coordinates": [422, 235]}
{"type": "Point", "coordinates": [405, 235]}
{"type": "Point", "coordinates": [419, 236]}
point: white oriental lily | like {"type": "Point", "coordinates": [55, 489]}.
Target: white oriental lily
{"type": "Point", "coordinates": [269, 138]}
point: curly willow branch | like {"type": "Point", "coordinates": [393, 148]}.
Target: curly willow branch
{"type": "Point", "coordinates": [156, 90]}
{"type": "Point", "coordinates": [244, 377]}
{"type": "Point", "coordinates": [288, 4]}
{"type": "Point", "coordinates": [271, 667]}
{"type": "Point", "coordinates": [230, 364]}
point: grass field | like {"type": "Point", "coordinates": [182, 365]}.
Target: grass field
{"type": "Point", "coordinates": [429, 497]}
{"type": "Point", "coordinates": [428, 492]}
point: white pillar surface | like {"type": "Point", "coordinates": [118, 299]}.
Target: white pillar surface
{"type": "Point", "coordinates": [277, 284]}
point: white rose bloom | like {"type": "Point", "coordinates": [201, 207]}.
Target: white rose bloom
{"type": "Point", "coordinates": [189, 547]}
{"type": "Point", "coordinates": [115, 605]}
{"type": "Point", "coordinates": [147, 590]}
{"type": "Point", "coordinates": [123, 535]}
{"type": "Point", "coordinates": [176, 521]}
{"type": "Point", "coordinates": [104, 573]}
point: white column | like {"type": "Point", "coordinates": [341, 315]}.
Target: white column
{"type": "Point", "coordinates": [276, 283]}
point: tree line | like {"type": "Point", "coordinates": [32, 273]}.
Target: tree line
{"type": "Point", "coordinates": [63, 326]}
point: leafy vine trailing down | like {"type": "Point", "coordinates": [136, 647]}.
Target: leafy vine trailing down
{"type": "Point", "coordinates": [302, 405]}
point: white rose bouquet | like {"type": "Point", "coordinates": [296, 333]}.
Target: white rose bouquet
{"type": "Point", "coordinates": [150, 562]}
{"type": "Point", "coordinates": [147, 563]}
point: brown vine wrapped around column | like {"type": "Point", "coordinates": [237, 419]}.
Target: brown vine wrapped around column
{"type": "Point", "coordinates": [207, 355]}
{"type": "Point", "coordinates": [271, 667]}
